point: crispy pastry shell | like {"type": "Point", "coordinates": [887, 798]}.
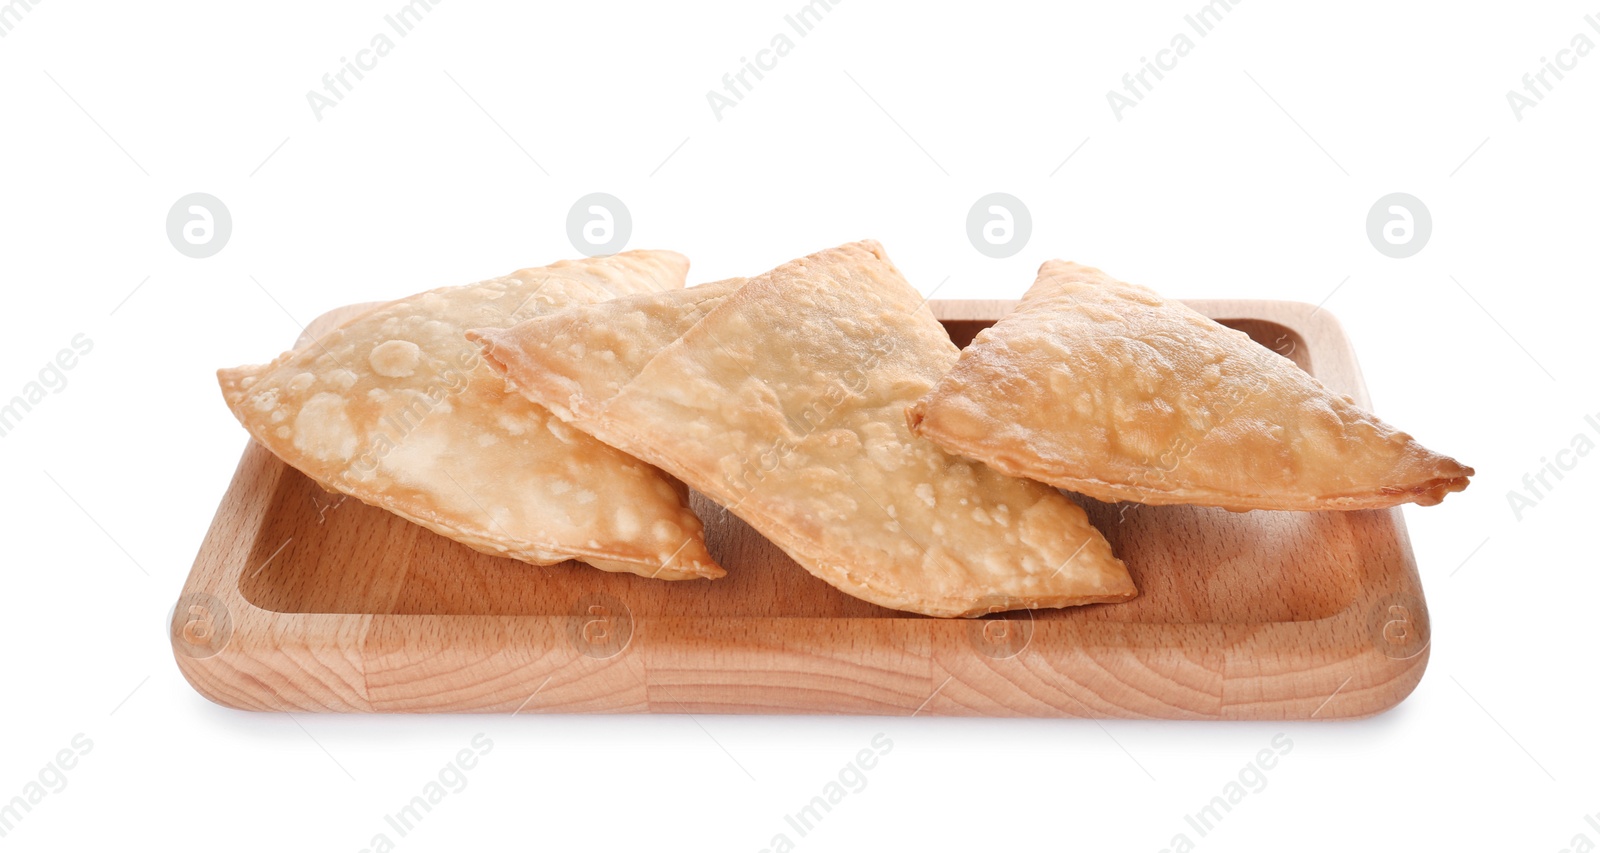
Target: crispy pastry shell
{"type": "Point", "coordinates": [397, 409]}
{"type": "Point", "coordinates": [1108, 389]}
{"type": "Point", "coordinates": [784, 403]}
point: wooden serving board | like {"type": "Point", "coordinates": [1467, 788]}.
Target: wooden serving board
{"type": "Point", "coordinates": [300, 601]}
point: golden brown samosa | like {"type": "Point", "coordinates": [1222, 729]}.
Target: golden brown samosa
{"type": "Point", "coordinates": [396, 408]}
{"type": "Point", "coordinates": [1111, 390]}
{"type": "Point", "coordinates": [782, 398]}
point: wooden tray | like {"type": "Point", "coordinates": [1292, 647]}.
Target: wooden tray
{"type": "Point", "coordinates": [300, 601]}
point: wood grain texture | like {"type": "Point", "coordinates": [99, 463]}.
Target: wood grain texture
{"type": "Point", "coordinates": [302, 601]}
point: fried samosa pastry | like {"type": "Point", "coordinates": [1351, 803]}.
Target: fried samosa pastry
{"type": "Point", "coordinates": [396, 408]}
{"type": "Point", "coordinates": [590, 355]}
{"type": "Point", "coordinates": [1108, 389]}
{"type": "Point", "coordinates": [783, 400]}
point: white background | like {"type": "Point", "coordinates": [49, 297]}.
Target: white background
{"type": "Point", "coordinates": [1481, 345]}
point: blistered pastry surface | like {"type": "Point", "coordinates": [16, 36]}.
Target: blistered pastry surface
{"type": "Point", "coordinates": [397, 408]}
{"type": "Point", "coordinates": [785, 403]}
{"type": "Point", "coordinates": [1108, 389]}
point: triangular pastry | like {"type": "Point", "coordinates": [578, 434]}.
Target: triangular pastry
{"type": "Point", "coordinates": [1108, 389]}
{"type": "Point", "coordinates": [589, 355]}
{"type": "Point", "coordinates": [396, 408]}
{"type": "Point", "coordinates": [783, 400]}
